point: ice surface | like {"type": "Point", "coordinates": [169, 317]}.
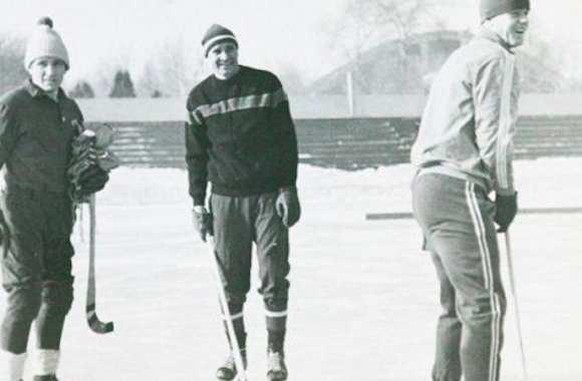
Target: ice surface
{"type": "Point", "coordinates": [363, 301]}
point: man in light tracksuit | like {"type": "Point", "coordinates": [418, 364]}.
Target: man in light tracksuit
{"type": "Point", "coordinates": [463, 152]}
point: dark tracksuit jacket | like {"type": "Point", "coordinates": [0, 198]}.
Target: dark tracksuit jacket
{"type": "Point", "coordinates": [35, 148]}
{"type": "Point", "coordinates": [240, 137]}
{"type": "Point", "coordinates": [463, 152]}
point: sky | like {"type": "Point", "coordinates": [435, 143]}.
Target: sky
{"type": "Point", "coordinates": [273, 34]}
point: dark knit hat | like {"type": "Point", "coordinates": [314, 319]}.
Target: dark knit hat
{"type": "Point", "coordinates": [491, 8]}
{"type": "Point", "coordinates": [45, 42]}
{"type": "Point", "coordinates": [215, 34]}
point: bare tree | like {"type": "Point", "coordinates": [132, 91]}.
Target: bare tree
{"type": "Point", "coordinates": [172, 71]}
{"type": "Point", "coordinates": [366, 23]}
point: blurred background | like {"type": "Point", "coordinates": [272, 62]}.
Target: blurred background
{"type": "Point", "coordinates": [152, 47]}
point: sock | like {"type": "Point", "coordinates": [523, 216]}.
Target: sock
{"type": "Point", "coordinates": [47, 362]}
{"type": "Point", "coordinates": [276, 341]}
{"type": "Point", "coordinates": [15, 365]}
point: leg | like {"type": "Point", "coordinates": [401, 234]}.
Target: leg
{"type": "Point", "coordinates": [233, 248]}
{"type": "Point", "coordinates": [457, 219]}
{"type": "Point", "coordinates": [57, 282]}
{"type": "Point", "coordinates": [447, 366]}
{"type": "Point", "coordinates": [21, 270]}
{"type": "Point", "coordinates": [272, 239]}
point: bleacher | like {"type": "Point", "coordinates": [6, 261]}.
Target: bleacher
{"type": "Point", "coordinates": [346, 143]}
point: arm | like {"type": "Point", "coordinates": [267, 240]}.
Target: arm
{"type": "Point", "coordinates": [495, 118]}
{"type": "Point", "coordinates": [197, 144]}
{"type": "Point", "coordinates": [9, 127]}
{"type": "Point", "coordinates": [285, 137]}
{"type": "Point", "coordinates": [287, 205]}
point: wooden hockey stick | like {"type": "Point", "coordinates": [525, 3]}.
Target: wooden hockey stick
{"type": "Point", "coordinates": [95, 324]}
{"type": "Point", "coordinates": [407, 215]}
{"type": "Point", "coordinates": [240, 368]}
{"type": "Point", "coordinates": [515, 305]}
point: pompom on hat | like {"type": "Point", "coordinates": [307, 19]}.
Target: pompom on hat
{"type": "Point", "coordinates": [45, 42]}
{"type": "Point", "coordinates": [491, 8]}
{"type": "Point", "coordinates": [216, 34]}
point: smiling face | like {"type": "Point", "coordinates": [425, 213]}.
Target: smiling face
{"type": "Point", "coordinates": [47, 73]}
{"type": "Point", "coordinates": [511, 26]}
{"type": "Point", "coordinates": [223, 59]}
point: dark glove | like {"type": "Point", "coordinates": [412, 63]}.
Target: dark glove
{"type": "Point", "coordinates": [202, 220]}
{"type": "Point", "coordinates": [92, 180]}
{"type": "Point", "coordinates": [288, 207]}
{"type": "Point", "coordinates": [505, 211]}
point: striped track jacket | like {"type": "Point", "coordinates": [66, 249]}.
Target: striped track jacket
{"type": "Point", "coordinates": [468, 124]}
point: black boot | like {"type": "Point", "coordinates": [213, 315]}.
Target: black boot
{"type": "Point", "coordinates": [276, 368]}
{"type": "Point", "coordinates": [228, 370]}
{"type": "Point", "coordinates": [50, 377]}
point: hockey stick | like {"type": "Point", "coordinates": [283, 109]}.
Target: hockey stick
{"type": "Point", "coordinates": [408, 215]}
{"type": "Point", "coordinates": [240, 369]}
{"type": "Point", "coordinates": [95, 324]}
{"type": "Point", "coordinates": [515, 305]}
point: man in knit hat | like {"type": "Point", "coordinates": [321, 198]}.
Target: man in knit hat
{"type": "Point", "coordinates": [463, 152]}
{"type": "Point", "coordinates": [38, 123]}
{"type": "Point", "coordinates": [240, 137]}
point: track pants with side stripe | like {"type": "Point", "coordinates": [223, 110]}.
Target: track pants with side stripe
{"type": "Point", "coordinates": [456, 217]}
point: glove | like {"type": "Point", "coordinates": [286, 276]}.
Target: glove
{"type": "Point", "coordinates": [202, 220]}
{"type": "Point", "coordinates": [505, 211]}
{"type": "Point", "coordinates": [91, 162]}
{"type": "Point", "coordinates": [92, 180]}
{"type": "Point", "coordinates": [287, 206]}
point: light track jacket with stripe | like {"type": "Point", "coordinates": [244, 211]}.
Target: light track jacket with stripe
{"type": "Point", "coordinates": [469, 121]}
{"type": "Point", "coordinates": [240, 136]}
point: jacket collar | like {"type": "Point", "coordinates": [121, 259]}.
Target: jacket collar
{"type": "Point", "coordinates": [36, 91]}
{"type": "Point", "coordinates": [494, 37]}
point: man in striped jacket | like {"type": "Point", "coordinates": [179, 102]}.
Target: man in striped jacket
{"type": "Point", "coordinates": [241, 138]}
{"type": "Point", "coordinates": [463, 152]}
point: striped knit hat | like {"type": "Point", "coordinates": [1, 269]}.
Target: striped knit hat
{"type": "Point", "coordinates": [491, 8]}
{"type": "Point", "coordinates": [215, 34]}
{"type": "Point", "coordinates": [45, 42]}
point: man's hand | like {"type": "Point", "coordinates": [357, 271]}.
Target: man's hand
{"type": "Point", "coordinates": [92, 180]}
{"type": "Point", "coordinates": [288, 207]}
{"type": "Point", "coordinates": [202, 220]}
{"type": "Point", "coordinates": [505, 211]}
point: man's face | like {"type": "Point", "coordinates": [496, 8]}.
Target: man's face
{"type": "Point", "coordinates": [512, 26]}
{"type": "Point", "coordinates": [223, 59]}
{"type": "Point", "coordinates": [47, 73]}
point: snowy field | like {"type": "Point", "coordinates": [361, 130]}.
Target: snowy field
{"type": "Point", "coordinates": [363, 302]}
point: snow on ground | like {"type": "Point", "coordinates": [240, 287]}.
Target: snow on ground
{"type": "Point", "coordinates": [363, 296]}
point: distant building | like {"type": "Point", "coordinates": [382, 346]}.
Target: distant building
{"type": "Point", "coordinates": [406, 67]}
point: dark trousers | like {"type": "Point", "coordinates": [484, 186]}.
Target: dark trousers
{"type": "Point", "coordinates": [36, 267]}
{"type": "Point", "coordinates": [456, 217]}
{"type": "Point", "coordinates": [238, 222]}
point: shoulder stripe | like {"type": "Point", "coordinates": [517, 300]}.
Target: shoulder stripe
{"type": "Point", "coordinates": [265, 100]}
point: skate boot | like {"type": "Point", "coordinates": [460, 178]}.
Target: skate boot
{"type": "Point", "coordinates": [50, 377]}
{"type": "Point", "coordinates": [276, 369]}
{"type": "Point", "coordinates": [228, 370]}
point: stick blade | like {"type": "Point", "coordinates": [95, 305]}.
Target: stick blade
{"type": "Point", "coordinates": [95, 324]}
